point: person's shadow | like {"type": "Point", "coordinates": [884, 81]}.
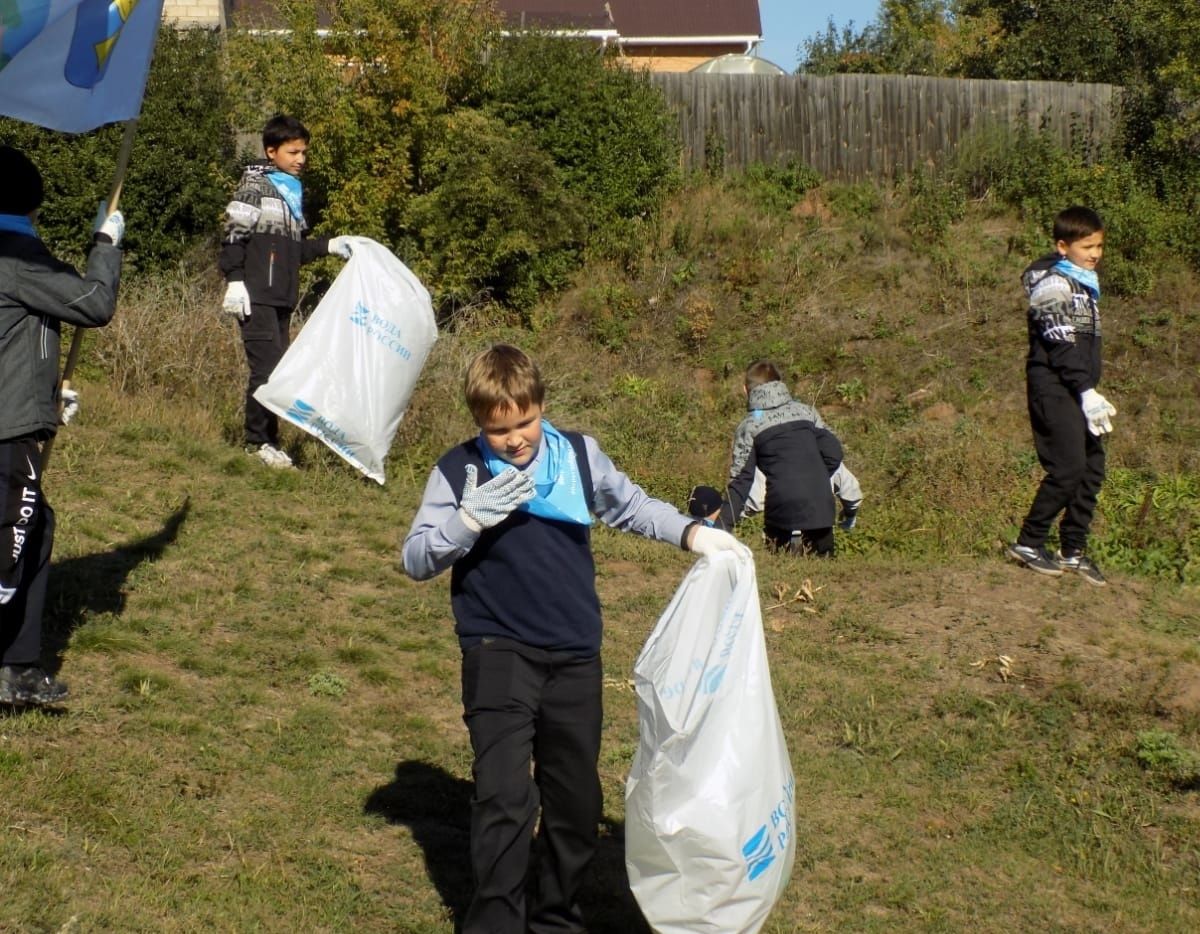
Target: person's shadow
{"type": "Point", "coordinates": [93, 584]}
{"type": "Point", "coordinates": [436, 807]}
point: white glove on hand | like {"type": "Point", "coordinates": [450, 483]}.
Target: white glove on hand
{"type": "Point", "coordinates": [111, 225]}
{"type": "Point", "coordinates": [849, 517]}
{"type": "Point", "coordinates": [70, 406]}
{"type": "Point", "coordinates": [237, 301]}
{"type": "Point", "coordinates": [1097, 410]}
{"type": "Point", "coordinates": [340, 246]}
{"type": "Point", "coordinates": [708, 541]}
{"type": "Point", "coordinates": [490, 504]}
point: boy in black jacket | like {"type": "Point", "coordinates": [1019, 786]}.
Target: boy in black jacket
{"type": "Point", "coordinates": [509, 511]}
{"type": "Point", "coordinates": [263, 248]}
{"type": "Point", "coordinates": [37, 294]}
{"type": "Point", "coordinates": [1069, 417]}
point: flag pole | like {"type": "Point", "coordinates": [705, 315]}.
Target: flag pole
{"type": "Point", "coordinates": [114, 196]}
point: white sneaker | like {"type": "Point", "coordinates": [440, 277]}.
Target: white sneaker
{"type": "Point", "coordinates": [273, 457]}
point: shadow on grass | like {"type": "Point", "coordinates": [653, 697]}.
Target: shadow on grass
{"type": "Point", "coordinates": [436, 807]}
{"type": "Point", "coordinates": [94, 584]}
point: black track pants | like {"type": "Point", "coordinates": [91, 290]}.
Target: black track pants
{"type": "Point", "coordinates": [26, 540]}
{"type": "Point", "coordinates": [1073, 459]}
{"type": "Point", "coordinates": [265, 335]}
{"type": "Point", "coordinates": [522, 705]}
{"type": "Point", "coordinates": [817, 542]}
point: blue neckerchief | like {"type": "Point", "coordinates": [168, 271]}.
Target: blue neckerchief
{"type": "Point", "coordinates": [17, 223]}
{"type": "Point", "coordinates": [559, 486]}
{"type": "Point", "coordinates": [291, 190]}
{"type": "Point", "coordinates": [1085, 277]}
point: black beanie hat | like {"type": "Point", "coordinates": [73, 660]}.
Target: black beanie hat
{"type": "Point", "coordinates": [703, 501]}
{"type": "Point", "coordinates": [20, 183]}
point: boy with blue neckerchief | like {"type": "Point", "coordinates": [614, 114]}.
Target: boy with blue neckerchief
{"type": "Point", "coordinates": [509, 512]}
{"type": "Point", "coordinates": [263, 247]}
{"type": "Point", "coordinates": [1069, 417]}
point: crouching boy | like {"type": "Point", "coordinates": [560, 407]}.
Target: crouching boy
{"type": "Point", "coordinates": [509, 511]}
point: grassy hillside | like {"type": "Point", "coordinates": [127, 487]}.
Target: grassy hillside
{"type": "Point", "coordinates": [264, 732]}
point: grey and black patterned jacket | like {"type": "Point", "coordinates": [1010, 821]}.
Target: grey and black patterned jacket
{"type": "Point", "coordinates": [771, 404]}
{"type": "Point", "coordinates": [264, 243]}
{"type": "Point", "coordinates": [1064, 330]}
{"type": "Point", "coordinates": [38, 293]}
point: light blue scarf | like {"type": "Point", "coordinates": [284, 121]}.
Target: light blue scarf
{"type": "Point", "coordinates": [17, 223]}
{"type": "Point", "coordinates": [291, 191]}
{"type": "Point", "coordinates": [1085, 277]}
{"type": "Point", "coordinates": [560, 495]}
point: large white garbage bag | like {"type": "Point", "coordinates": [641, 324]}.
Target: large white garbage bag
{"type": "Point", "coordinates": [709, 836]}
{"type": "Point", "coordinates": [348, 375]}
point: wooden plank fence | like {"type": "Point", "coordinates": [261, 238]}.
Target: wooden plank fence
{"type": "Point", "coordinates": [856, 127]}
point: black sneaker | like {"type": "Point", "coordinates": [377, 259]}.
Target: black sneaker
{"type": "Point", "coordinates": [1082, 565]}
{"type": "Point", "coordinates": [29, 685]}
{"type": "Point", "coordinates": [1036, 559]}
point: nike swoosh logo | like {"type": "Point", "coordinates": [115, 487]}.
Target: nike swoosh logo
{"type": "Point", "coordinates": [32, 472]}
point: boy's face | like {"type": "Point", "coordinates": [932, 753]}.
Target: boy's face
{"type": "Point", "coordinates": [289, 156]}
{"type": "Point", "coordinates": [1084, 253]}
{"type": "Point", "coordinates": [514, 434]}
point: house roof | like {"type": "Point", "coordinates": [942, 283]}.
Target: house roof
{"type": "Point", "coordinates": [556, 14]}
{"type": "Point", "coordinates": [639, 19]}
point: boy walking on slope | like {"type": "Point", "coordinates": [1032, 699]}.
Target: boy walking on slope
{"type": "Point", "coordinates": [509, 512]}
{"type": "Point", "coordinates": [262, 250]}
{"type": "Point", "coordinates": [1069, 417]}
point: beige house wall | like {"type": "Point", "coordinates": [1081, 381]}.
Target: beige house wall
{"type": "Point", "coordinates": [209, 13]}
{"type": "Point", "coordinates": [674, 58]}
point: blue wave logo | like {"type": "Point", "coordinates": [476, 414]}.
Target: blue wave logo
{"type": "Point", "coordinates": [300, 412]}
{"type": "Point", "coordinates": [361, 315]}
{"type": "Point", "coordinates": [759, 853]}
{"type": "Point", "coordinates": [711, 680]}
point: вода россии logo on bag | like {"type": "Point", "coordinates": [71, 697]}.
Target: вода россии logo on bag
{"type": "Point", "coordinates": [759, 853]}
{"type": "Point", "coordinates": [386, 333]}
{"type": "Point", "coordinates": [360, 315]}
{"type": "Point", "coordinates": [308, 418]}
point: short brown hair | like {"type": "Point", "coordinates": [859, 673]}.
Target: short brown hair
{"type": "Point", "coordinates": [1075, 223]}
{"type": "Point", "coordinates": [762, 371]}
{"type": "Point", "coordinates": [502, 377]}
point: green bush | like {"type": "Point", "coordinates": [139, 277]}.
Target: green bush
{"type": "Point", "coordinates": [775, 189]}
{"type": "Point", "coordinates": [495, 219]}
{"type": "Point", "coordinates": [607, 129]}
{"type": "Point", "coordinates": [180, 171]}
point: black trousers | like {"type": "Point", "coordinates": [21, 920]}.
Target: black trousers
{"type": "Point", "coordinates": [523, 705]}
{"type": "Point", "coordinates": [26, 540]}
{"type": "Point", "coordinates": [1073, 459]}
{"type": "Point", "coordinates": [817, 542]}
{"type": "Point", "coordinates": [265, 335]}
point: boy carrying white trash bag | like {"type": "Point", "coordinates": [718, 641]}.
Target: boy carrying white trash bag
{"type": "Point", "coordinates": [709, 837]}
{"type": "Point", "coordinates": [348, 377]}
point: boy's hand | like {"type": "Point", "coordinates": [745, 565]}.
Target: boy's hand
{"type": "Point", "coordinates": [849, 518]}
{"type": "Point", "coordinates": [1097, 410]}
{"type": "Point", "coordinates": [111, 226]}
{"type": "Point", "coordinates": [340, 246]}
{"type": "Point", "coordinates": [489, 505]}
{"type": "Point", "coordinates": [706, 541]}
{"type": "Point", "coordinates": [70, 406]}
{"type": "Point", "coordinates": [236, 301]}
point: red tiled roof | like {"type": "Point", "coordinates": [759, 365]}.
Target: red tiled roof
{"type": "Point", "coordinates": [572, 14]}
{"type": "Point", "coordinates": [681, 18]}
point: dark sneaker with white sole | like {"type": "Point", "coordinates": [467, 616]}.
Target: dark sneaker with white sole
{"type": "Point", "coordinates": [20, 685]}
{"type": "Point", "coordinates": [1036, 559]}
{"type": "Point", "coordinates": [1082, 565]}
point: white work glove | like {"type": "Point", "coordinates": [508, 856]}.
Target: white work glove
{"type": "Point", "coordinates": [236, 301]}
{"type": "Point", "coordinates": [485, 506]}
{"type": "Point", "coordinates": [70, 406]}
{"type": "Point", "coordinates": [708, 541]}
{"type": "Point", "coordinates": [849, 517]}
{"type": "Point", "coordinates": [1097, 410]}
{"type": "Point", "coordinates": [340, 246]}
{"type": "Point", "coordinates": [111, 225]}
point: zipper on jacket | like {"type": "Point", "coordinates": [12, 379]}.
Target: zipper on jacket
{"type": "Point", "coordinates": [271, 268]}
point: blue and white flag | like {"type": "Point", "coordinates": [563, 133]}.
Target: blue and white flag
{"type": "Point", "coordinates": [74, 65]}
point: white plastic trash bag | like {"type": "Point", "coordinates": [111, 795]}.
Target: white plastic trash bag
{"type": "Point", "coordinates": [709, 837]}
{"type": "Point", "coordinates": [348, 375]}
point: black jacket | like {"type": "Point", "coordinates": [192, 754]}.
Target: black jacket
{"type": "Point", "coordinates": [1064, 330]}
{"type": "Point", "coordinates": [38, 293]}
{"type": "Point", "coordinates": [264, 243]}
